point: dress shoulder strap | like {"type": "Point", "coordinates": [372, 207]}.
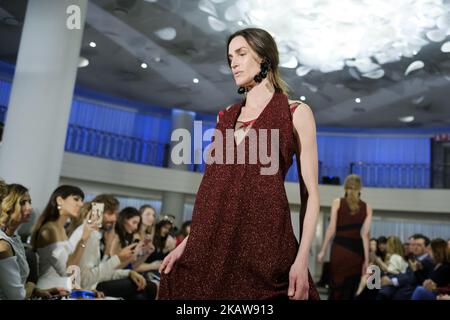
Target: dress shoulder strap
{"type": "Point", "coordinates": [293, 105]}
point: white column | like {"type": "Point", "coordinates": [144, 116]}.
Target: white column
{"type": "Point", "coordinates": [173, 202]}
{"type": "Point", "coordinates": [33, 142]}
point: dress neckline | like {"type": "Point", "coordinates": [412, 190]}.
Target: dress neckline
{"type": "Point", "coordinates": [252, 122]}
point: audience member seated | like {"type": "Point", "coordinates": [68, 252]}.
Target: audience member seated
{"type": "Point", "coordinates": [49, 238]}
{"type": "Point", "coordinates": [184, 231]}
{"type": "Point", "coordinates": [407, 253]}
{"type": "Point", "coordinates": [148, 220]}
{"type": "Point", "coordinates": [382, 247]}
{"type": "Point", "coordinates": [174, 230]}
{"type": "Point", "coordinates": [14, 270]}
{"type": "Point", "coordinates": [127, 232]}
{"type": "Point", "coordinates": [439, 277]}
{"type": "Point", "coordinates": [394, 263]}
{"type": "Point", "coordinates": [99, 269]}
{"type": "Point", "coordinates": [163, 241]}
{"type": "Point", "coordinates": [401, 286]}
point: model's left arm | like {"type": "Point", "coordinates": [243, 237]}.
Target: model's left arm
{"type": "Point", "coordinates": [365, 234]}
{"type": "Point", "coordinates": [305, 133]}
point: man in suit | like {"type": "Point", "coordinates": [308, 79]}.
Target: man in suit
{"type": "Point", "coordinates": [401, 286]}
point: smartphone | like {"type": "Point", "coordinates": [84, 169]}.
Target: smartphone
{"type": "Point", "coordinates": [97, 212]}
{"type": "Point", "coordinates": [147, 239]}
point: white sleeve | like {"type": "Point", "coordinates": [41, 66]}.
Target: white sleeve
{"type": "Point", "coordinates": [121, 274]}
{"type": "Point", "coordinates": [395, 264]}
{"type": "Point", "coordinates": [10, 281]}
{"type": "Point", "coordinates": [104, 271]}
{"type": "Point", "coordinates": [59, 259]}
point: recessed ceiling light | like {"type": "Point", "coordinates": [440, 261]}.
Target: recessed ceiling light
{"type": "Point", "coordinates": [303, 98]}
{"type": "Point", "coordinates": [82, 62]}
{"type": "Point", "coordinates": [358, 100]}
{"type": "Point", "coordinates": [195, 80]}
{"type": "Point", "coordinates": [144, 65]}
{"type": "Point", "coordinates": [406, 119]}
{"type": "Point", "coordinates": [92, 44]}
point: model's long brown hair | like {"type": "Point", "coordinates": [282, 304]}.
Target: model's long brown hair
{"type": "Point", "coordinates": [266, 48]}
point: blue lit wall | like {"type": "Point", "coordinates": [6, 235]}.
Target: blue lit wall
{"type": "Point", "coordinates": [121, 133]}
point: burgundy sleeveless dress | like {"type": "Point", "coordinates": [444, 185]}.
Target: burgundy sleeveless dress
{"type": "Point", "coordinates": [241, 244]}
{"type": "Point", "coordinates": [347, 252]}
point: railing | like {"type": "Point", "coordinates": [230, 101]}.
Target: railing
{"type": "Point", "coordinates": [387, 175]}
{"type": "Point", "coordinates": [116, 147]}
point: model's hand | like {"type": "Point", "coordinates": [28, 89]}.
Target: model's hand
{"type": "Point", "coordinates": [320, 257]}
{"type": "Point", "coordinates": [298, 282]}
{"type": "Point", "coordinates": [364, 267]}
{"type": "Point", "coordinates": [172, 257]}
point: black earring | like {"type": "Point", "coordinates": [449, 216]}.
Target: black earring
{"type": "Point", "coordinates": [345, 195]}
{"type": "Point", "coordinates": [359, 194]}
{"type": "Point", "coordinates": [265, 65]}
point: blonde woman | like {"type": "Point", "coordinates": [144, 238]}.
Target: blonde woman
{"type": "Point", "coordinates": [350, 225]}
{"type": "Point", "coordinates": [394, 262]}
{"type": "Point", "coordinates": [14, 270]}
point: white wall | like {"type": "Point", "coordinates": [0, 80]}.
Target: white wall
{"type": "Point", "coordinates": [146, 181]}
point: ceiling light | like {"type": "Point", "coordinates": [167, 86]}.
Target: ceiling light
{"type": "Point", "coordinates": [303, 98]}
{"type": "Point", "coordinates": [92, 44]}
{"type": "Point", "coordinates": [195, 80]}
{"type": "Point", "coordinates": [83, 62]}
{"type": "Point", "coordinates": [166, 34]}
{"type": "Point", "coordinates": [144, 65]}
{"type": "Point", "coordinates": [327, 34]}
{"type": "Point", "coordinates": [358, 100]}
{"type": "Point", "coordinates": [406, 119]}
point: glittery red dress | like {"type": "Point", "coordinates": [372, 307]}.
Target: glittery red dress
{"type": "Point", "coordinates": [241, 244]}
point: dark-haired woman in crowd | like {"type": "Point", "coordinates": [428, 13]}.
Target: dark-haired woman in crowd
{"type": "Point", "coordinates": [184, 231]}
{"type": "Point", "coordinates": [440, 276]}
{"type": "Point", "coordinates": [164, 243]}
{"type": "Point", "coordinates": [49, 237]}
